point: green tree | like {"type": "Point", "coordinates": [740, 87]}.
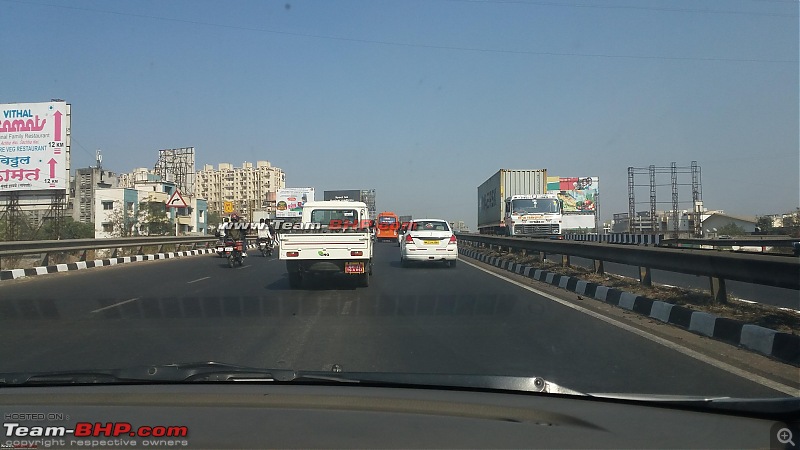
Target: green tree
{"type": "Point", "coordinates": [122, 223]}
{"type": "Point", "coordinates": [731, 229]}
{"type": "Point", "coordinates": [764, 223]}
{"type": "Point", "coordinates": [21, 228]}
{"type": "Point", "coordinates": [69, 230]}
{"type": "Point", "coordinates": [213, 220]}
{"type": "Point", "coordinates": [153, 219]}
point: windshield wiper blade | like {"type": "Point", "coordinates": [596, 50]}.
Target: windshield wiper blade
{"type": "Point", "coordinates": [200, 371]}
{"type": "Point", "coordinates": [214, 372]}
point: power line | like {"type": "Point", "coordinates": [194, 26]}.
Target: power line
{"type": "Point", "coordinates": [426, 46]}
{"type": "Point", "coordinates": [642, 8]}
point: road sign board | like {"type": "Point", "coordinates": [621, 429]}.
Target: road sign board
{"type": "Point", "coordinates": [227, 207]}
{"type": "Point", "coordinates": [34, 146]}
{"type": "Point", "coordinates": [176, 201]}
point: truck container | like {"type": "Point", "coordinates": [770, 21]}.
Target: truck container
{"type": "Point", "coordinates": [516, 203]}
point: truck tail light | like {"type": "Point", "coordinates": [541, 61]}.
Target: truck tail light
{"type": "Point", "coordinates": [356, 253]}
{"type": "Point", "coordinates": [292, 254]}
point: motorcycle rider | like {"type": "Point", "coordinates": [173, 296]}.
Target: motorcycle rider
{"type": "Point", "coordinates": [237, 233]}
{"type": "Point", "coordinates": [265, 233]}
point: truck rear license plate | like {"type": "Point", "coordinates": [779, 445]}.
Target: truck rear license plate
{"type": "Point", "coordinates": [354, 267]}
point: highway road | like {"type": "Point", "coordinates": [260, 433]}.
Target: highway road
{"type": "Point", "coordinates": [422, 319]}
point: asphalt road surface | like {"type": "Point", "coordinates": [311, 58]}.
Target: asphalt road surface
{"type": "Point", "coordinates": [423, 319]}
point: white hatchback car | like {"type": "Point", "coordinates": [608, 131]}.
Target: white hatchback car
{"type": "Point", "coordinates": [429, 240]}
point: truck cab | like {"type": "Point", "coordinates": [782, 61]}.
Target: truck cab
{"type": "Point", "coordinates": [333, 237]}
{"type": "Point", "coordinates": [533, 215]}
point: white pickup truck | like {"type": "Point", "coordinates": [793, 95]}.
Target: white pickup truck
{"type": "Point", "coordinates": [333, 237]}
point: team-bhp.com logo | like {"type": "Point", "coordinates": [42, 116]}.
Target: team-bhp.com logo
{"type": "Point", "coordinates": [93, 434]}
{"type": "Point", "coordinates": [334, 225]}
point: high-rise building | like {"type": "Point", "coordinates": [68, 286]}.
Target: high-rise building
{"type": "Point", "coordinates": [82, 191]}
{"type": "Point", "coordinates": [249, 188]}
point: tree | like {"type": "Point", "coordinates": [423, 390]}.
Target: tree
{"type": "Point", "coordinates": [731, 229]}
{"type": "Point", "coordinates": [764, 223]}
{"type": "Point", "coordinates": [70, 230]}
{"type": "Point", "coordinates": [122, 223]}
{"type": "Point", "coordinates": [153, 219]}
{"type": "Point", "coordinates": [213, 219]}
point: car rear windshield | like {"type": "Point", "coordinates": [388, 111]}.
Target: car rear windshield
{"type": "Point", "coordinates": [431, 225]}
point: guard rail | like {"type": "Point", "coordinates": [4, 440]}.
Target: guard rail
{"type": "Point", "coordinates": [717, 266]}
{"type": "Point", "coordinates": [10, 249]}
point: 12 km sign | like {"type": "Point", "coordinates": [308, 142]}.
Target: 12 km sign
{"type": "Point", "coordinates": [34, 146]}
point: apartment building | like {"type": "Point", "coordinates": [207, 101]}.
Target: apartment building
{"type": "Point", "coordinates": [248, 189]}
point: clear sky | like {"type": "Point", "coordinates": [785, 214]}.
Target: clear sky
{"type": "Point", "coordinates": [423, 100]}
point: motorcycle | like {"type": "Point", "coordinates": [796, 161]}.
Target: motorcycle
{"type": "Point", "coordinates": [221, 248]}
{"type": "Point", "coordinates": [233, 251]}
{"type": "Point", "coordinates": [265, 246]}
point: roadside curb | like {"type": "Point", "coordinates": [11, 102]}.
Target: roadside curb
{"type": "Point", "coordinates": [14, 274]}
{"type": "Point", "coordinates": [782, 346]}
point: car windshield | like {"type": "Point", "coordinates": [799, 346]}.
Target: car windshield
{"type": "Point", "coordinates": [326, 216]}
{"type": "Point", "coordinates": [430, 225]}
{"type": "Point", "coordinates": [528, 206]}
{"type": "Point", "coordinates": [661, 135]}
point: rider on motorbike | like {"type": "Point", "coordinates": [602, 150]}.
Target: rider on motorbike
{"type": "Point", "coordinates": [237, 233]}
{"type": "Point", "coordinates": [265, 233]}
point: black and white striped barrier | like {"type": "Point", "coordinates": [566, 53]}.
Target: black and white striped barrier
{"type": "Point", "coordinates": [782, 346]}
{"type": "Point", "coordinates": [618, 238]}
{"type": "Point", "coordinates": [13, 274]}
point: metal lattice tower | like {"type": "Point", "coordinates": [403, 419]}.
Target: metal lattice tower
{"type": "Point", "coordinates": [177, 165]}
{"type": "Point", "coordinates": [56, 212]}
{"type": "Point", "coordinates": [653, 213]}
{"type": "Point", "coordinates": [654, 173]}
{"type": "Point", "coordinates": [675, 218]}
{"type": "Point", "coordinates": [14, 216]}
{"type": "Point", "coordinates": [697, 198]}
{"type": "Point", "coordinates": [631, 199]}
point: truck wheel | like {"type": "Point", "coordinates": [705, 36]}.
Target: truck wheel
{"type": "Point", "coordinates": [295, 280]}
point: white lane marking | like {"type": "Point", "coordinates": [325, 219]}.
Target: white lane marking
{"type": "Point", "coordinates": [658, 340]}
{"type": "Point", "coordinates": [116, 304]}
{"type": "Point", "coordinates": [199, 279]}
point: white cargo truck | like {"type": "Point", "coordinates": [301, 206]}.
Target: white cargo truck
{"type": "Point", "coordinates": [333, 238]}
{"type": "Point", "coordinates": [516, 203]}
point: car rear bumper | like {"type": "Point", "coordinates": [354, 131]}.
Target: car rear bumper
{"type": "Point", "coordinates": [448, 254]}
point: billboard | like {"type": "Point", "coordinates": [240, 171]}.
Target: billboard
{"type": "Point", "coordinates": [579, 194]}
{"type": "Point", "coordinates": [34, 146]}
{"type": "Point", "coordinates": [289, 201]}
{"type": "Point", "coordinates": [359, 195]}
{"type": "Point", "coordinates": [352, 194]}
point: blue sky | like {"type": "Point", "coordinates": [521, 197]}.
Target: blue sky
{"type": "Point", "coordinates": [424, 100]}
